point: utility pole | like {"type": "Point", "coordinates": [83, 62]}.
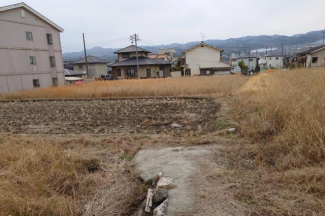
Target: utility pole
{"type": "Point", "coordinates": [135, 37]}
{"type": "Point", "coordinates": [249, 62]}
{"type": "Point", "coordinates": [88, 75]}
{"type": "Point", "coordinates": [282, 50]}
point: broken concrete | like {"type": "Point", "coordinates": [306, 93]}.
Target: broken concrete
{"type": "Point", "coordinates": [159, 196]}
{"type": "Point", "coordinates": [161, 210]}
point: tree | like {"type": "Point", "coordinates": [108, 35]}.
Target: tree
{"type": "Point", "coordinates": [242, 66]}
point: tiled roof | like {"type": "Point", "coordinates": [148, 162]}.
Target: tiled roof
{"type": "Point", "coordinates": [68, 72]}
{"type": "Point", "coordinates": [131, 49]}
{"type": "Point", "coordinates": [312, 50]}
{"type": "Point", "coordinates": [142, 61]}
{"type": "Point", "coordinates": [200, 45]}
{"type": "Point", "coordinates": [90, 60]}
{"type": "Point", "coordinates": [160, 56]}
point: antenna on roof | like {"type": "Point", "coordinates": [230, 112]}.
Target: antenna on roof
{"type": "Point", "coordinates": [203, 36]}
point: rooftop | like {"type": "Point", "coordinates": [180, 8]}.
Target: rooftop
{"type": "Point", "coordinates": [131, 49]}
{"type": "Point", "coordinates": [202, 44]}
{"type": "Point", "coordinates": [142, 61]}
{"type": "Point", "coordinates": [68, 72]}
{"type": "Point", "coordinates": [312, 50]}
{"type": "Point", "coordinates": [90, 60]}
{"type": "Point", "coordinates": [31, 10]}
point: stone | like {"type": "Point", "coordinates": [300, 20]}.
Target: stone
{"type": "Point", "coordinates": [231, 130]}
{"type": "Point", "coordinates": [165, 182]}
{"type": "Point", "coordinates": [161, 209]}
{"type": "Point", "coordinates": [159, 196]}
{"type": "Point", "coordinates": [176, 125]}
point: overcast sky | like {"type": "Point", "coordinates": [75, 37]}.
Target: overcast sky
{"type": "Point", "coordinates": [175, 21]}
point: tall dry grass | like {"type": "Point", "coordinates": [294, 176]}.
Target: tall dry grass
{"type": "Point", "coordinates": [287, 107]}
{"type": "Point", "coordinates": [194, 86]}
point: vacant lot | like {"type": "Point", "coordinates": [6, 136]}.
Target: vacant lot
{"type": "Point", "coordinates": [108, 116]}
{"type": "Point", "coordinates": [274, 164]}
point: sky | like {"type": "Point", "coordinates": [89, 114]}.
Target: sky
{"type": "Point", "coordinates": [109, 23]}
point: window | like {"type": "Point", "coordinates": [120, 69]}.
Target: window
{"type": "Point", "coordinates": [315, 59]}
{"type": "Point", "coordinates": [277, 58]}
{"type": "Point", "coordinates": [32, 60]}
{"type": "Point", "coordinates": [161, 67]}
{"type": "Point", "coordinates": [55, 81]}
{"type": "Point", "coordinates": [126, 55]}
{"type": "Point", "coordinates": [208, 72]}
{"type": "Point", "coordinates": [49, 38]}
{"type": "Point", "coordinates": [270, 58]}
{"type": "Point", "coordinates": [80, 66]}
{"type": "Point", "coordinates": [36, 83]}
{"type": "Point", "coordinates": [22, 13]}
{"type": "Point", "coordinates": [52, 61]}
{"type": "Point", "coordinates": [250, 59]}
{"type": "Point", "coordinates": [29, 36]}
{"type": "Point", "coordinates": [130, 72]}
{"type": "Point", "coordinates": [118, 71]}
{"type": "Point", "coordinates": [148, 73]}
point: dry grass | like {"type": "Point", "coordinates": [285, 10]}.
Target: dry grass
{"type": "Point", "coordinates": [195, 86]}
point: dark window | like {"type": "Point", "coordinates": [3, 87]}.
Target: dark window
{"type": "Point", "coordinates": [32, 60]}
{"type": "Point", "coordinates": [161, 67]}
{"type": "Point", "coordinates": [80, 66]}
{"type": "Point", "coordinates": [29, 36]}
{"type": "Point", "coordinates": [250, 59]}
{"type": "Point", "coordinates": [130, 72]}
{"type": "Point", "coordinates": [270, 58]}
{"type": "Point", "coordinates": [52, 61]}
{"type": "Point", "coordinates": [315, 59]}
{"type": "Point", "coordinates": [277, 58]}
{"type": "Point", "coordinates": [36, 83]}
{"type": "Point", "coordinates": [118, 71]}
{"type": "Point", "coordinates": [55, 81]}
{"type": "Point", "coordinates": [126, 55]}
{"type": "Point", "coordinates": [148, 72]}
{"type": "Point", "coordinates": [49, 38]}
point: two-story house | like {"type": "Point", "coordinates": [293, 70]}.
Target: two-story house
{"type": "Point", "coordinates": [271, 61]}
{"type": "Point", "coordinates": [314, 57]}
{"type": "Point", "coordinates": [204, 59]}
{"type": "Point", "coordinates": [251, 62]}
{"type": "Point", "coordinates": [30, 49]}
{"type": "Point", "coordinates": [96, 66]}
{"type": "Point", "coordinates": [126, 67]}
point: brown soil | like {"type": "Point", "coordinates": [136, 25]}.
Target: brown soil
{"type": "Point", "coordinates": [108, 116]}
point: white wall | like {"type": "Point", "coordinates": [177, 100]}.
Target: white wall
{"type": "Point", "coordinates": [203, 57]}
{"type": "Point", "coordinates": [271, 62]}
{"type": "Point", "coordinates": [252, 64]}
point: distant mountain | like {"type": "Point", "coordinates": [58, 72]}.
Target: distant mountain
{"type": "Point", "coordinates": [233, 45]}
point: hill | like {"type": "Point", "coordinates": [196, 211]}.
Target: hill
{"type": "Point", "coordinates": [232, 45]}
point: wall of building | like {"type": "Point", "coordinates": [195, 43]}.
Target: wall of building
{"type": "Point", "coordinates": [16, 73]}
{"type": "Point", "coordinates": [203, 57]}
{"type": "Point", "coordinates": [321, 59]}
{"type": "Point", "coordinates": [154, 69]}
{"type": "Point", "coordinates": [95, 70]}
{"type": "Point", "coordinates": [251, 63]}
{"type": "Point", "coordinates": [120, 55]}
{"type": "Point", "coordinates": [271, 62]}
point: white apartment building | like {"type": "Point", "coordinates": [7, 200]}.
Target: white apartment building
{"type": "Point", "coordinates": [30, 50]}
{"type": "Point", "coordinates": [251, 62]}
{"type": "Point", "coordinates": [271, 61]}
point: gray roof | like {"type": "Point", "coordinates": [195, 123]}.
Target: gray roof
{"type": "Point", "coordinates": [68, 72]}
{"type": "Point", "coordinates": [142, 61]}
{"type": "Point", "coordinates": [311, 50]}
{"type": "Point", "coordinates": [272, 55]}
{"type": "Point", "coordinates": [90, 60]}
{"type": "Point", "coordinates": [131, 49]}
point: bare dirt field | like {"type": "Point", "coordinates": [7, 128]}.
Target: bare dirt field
{"type": "Point", "coordinates": [108, 116]}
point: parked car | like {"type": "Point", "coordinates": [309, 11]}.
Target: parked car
{"type": "Point", "coordinates": [106, 77]}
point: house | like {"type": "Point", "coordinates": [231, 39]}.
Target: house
{"type": "Point", "coordinates": [313, 57]}
{"type": "Point", "coordinates": [96, 66]}
{"type": "Point", "coordinates": [126, 67]}
{"type": "Point", "coordinates": [30, 50]}
{"type": "Point", "coordinates": [71, 73]}
{"type": "Point", "coordinates": [251, 62]}
{"type": "Point", "coordinates": [271, 61]}
{"type": "Point", "coordinates": [204, 59]}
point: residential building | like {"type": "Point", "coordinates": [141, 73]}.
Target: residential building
{"type": "Point", "coordinates": [159, 56]}
{"type": "Point", "coordinates": [171, 55]}
{"type": "Point", "coordinates": [126, 67]}
{"type": "Point", "coordinates": [204, 59]}
{"type": "Point", "coordinates": [96, 66]}
{"type": "Point", "coordinates": [30, 50]}
{"type": "Point", "coordinates": [271, 61]}
{"type": "Point", "coordinates": [72, 73]}
{"type": "Point", "coordinates": [313, 57]}
{"type": "Point", "coordinates": [251, 62]}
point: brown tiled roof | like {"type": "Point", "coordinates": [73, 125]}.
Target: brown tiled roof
{"type": "Point", "coordinates": [160, 56]}
{"type": "Point", "coordinates": [202, 44]}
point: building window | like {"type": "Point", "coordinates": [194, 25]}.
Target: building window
{"type": "Point", "coordinates": [130, 72]}
{"type": "Point", "coordinates": [29, 36]}
{"type": "Point", "coordinates": [32, 60]}
{"type": "Point", "coordinates": [277, 58]}
{"type": "Point", "coordinates": [126, 55]}
{"type": "Point", "coordinates": [161, 67]}
{"type": "Point", "coordinates": [270, 58]}
{"type": "Point", "coordinates": [207, 72]}
{"type": "Point", "coordinates": [148, 73]}
{"type": "Point", "coordinates": [118, 71]}
{"type": "Point", "coordinates": [80, 66]}
{"type": "Point", "coordinates": [250, 59]}
{"type": "Point", "coordinates": [52, 61]}
{"type": "Point", "coordinates": [36, 83]}
{"type": "Point", "coordinates": [55, 81]}
{"type": "Point", "coordinates": [315, 59]}
{"type": "Point", "coordinates": [49, 38]}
